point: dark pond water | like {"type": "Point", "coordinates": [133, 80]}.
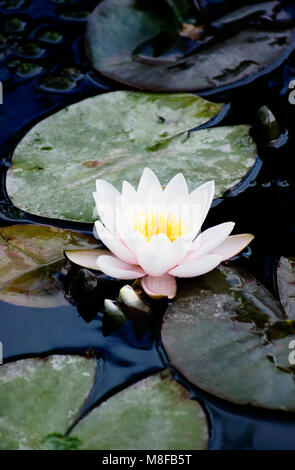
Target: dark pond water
{"type": "Point", "coordinates": [40, 77]}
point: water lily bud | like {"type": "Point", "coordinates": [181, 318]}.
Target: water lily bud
{"type": "Point", "coordinates": [113, 311]}
{"type": "Point", "coordinates": [266, 129]}
{"type": "Point", "coordinates": [129, 297]}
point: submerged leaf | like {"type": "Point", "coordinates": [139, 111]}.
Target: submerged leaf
{"type": "Point", "coordinates": [155, 413]}
{"type": "Point", "coordinates": [41, 397]}
{"type": "Point", "coordinates": [113, 137]}
{"type": "Point", "coordinates": [31, 257]}
{"type": "Point", "coordinates": [142, 44]}
{"type": "Point", "coordinates": [227, 335]}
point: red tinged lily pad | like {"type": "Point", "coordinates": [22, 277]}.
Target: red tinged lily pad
{"type": "Point", "coordinates": [31, 257]}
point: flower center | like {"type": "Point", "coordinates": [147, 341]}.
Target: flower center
{"type": "Point", "coordinates": [154, 224]}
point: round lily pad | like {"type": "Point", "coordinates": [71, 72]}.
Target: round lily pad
{"type": "Point", "coordinates": [229, 336]}
{"type": "Point", "coordinates": [31, 257]}
{"type": "Point", "coordinates": [161, 45]}
{"type": "Point", "coordinates": [155, 413]}
{"type": "Point", "coordinates": [40, 397]}
{"type": "Point", "coordinates": [113, 137]}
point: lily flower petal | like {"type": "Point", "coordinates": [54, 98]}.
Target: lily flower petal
{"type": "Point", "coordinates": [203, 195]}
{"type": "Point", "coordinates": [107, 191]}
{"type": "Point", "coordinates": [159, 254]}
{"type": "Point", "coordinates": [158, 287]}
{"type": "Point", "coordinates": [154, 233]}
{"type": "Point", "coordinates": [208, 240]}
{"type": "Point", "coordinates": [106, 212]}
{"type": "Point", "coordinates": [114, 267]}
{"type": "Point", "coordinates": [147, 180]}
{"type": "Point", "coordinates": [128, 196]}
{"type": "Point", "coordinates": [85, 258]}
{"type": "Point", "coordinates": [233, 245]}
{"type": "Point", "coordinates": [175, 188]}
{"type": "Point", "coordinates": [197, 267]}
{"type": "Point", "coordinates": [114, 244]}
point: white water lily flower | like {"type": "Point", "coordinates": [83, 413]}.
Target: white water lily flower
{"type": "Point", "coordinates": [155, 233]}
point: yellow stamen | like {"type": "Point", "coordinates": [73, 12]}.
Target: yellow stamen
{"type": "Point", "coordinates": [154, 224]}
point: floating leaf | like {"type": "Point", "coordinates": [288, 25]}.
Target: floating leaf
{"type": "Point", "coordinates": [150, 46]}
{"type": "Point", "coordinates": [114, 136]}
{"type": "Point", "coordinates": [31, 256]}
{"type": "Point", "coordinates": [155, 413]}
{"type": "Point", "coordinates": [286, 285]}
{"type": "Point", "coordinates": [40, 397]}
{"type": "Point", "coordinates": [227, 335]}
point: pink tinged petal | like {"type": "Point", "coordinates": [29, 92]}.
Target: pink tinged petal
{"type": "Point", "coordinates": [197, 267]}
{"type": "Point", "coordinates": [162, 286]}
{"type": "Point", "coordinates": [233, 245]}
{"type": "Point", "coordinates": [127, 233]}
{"type": "Point", "coordinates": [180, 247]}
{"type": "Point", "coordinates": [85, 258]}
{"type": "Point", "coordinates": [114, 267]}
{"type": "Point", "coordinates": [114, 244]}
{"type": "Point", "coordinates": [176, 189]}
{"type": "Point", "coordinates": [160, 254]}
{"type": "Point", "coordinates": [147, 180]}
{"type": "Point", "coordinates": [107, 198]}
{"type": "Point", "coordinates": [209, 240]}
{"type": "Point", "coordinates": [203, 195]}
{"type": "Point", "coordinates": [106, 212]}
{"type": "Point", "coordinates": [155, 256]}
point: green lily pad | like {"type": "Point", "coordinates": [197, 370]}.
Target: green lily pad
{"type": "Point", "coordinates": [31, 256]}
{"type": "Point", "coordinates": [227, 335]}
{"type": "Point", "coordinates": [39, 397]}
{"type": "Point", "coordinates": [160, 46]}
{"type": "Point", "coordinates": [286, 285]}
{"type": "Point", "coordinates": [114, 136]}
{"type": "Point", "coordinates": [155, 413]}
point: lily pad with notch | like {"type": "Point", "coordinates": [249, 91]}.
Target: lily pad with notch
{"type": "Point", "coordinates": [155, 413]}
{"type": "Point", "coordinates": [227, 335]}
{"type": "Point", "coordinates": [173, 46]}
{"type": "Point", "coordinates": [114, 136]}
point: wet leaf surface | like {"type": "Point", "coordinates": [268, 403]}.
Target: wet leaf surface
{"type": "Point", "coordinates": [147, 44]}
{"type": "Point", "coordinates": [286, 285]}
{"type": "Point", "coordinates": [39, 397]}
{"type": "Point", "coordinates": [227, 335]}
{"type": "Point", "coordinates": [154, 413]}
{"type": "Point", "coordinates": [31, 259]}
{"type": "Point", "coordinates": [114, 136]}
